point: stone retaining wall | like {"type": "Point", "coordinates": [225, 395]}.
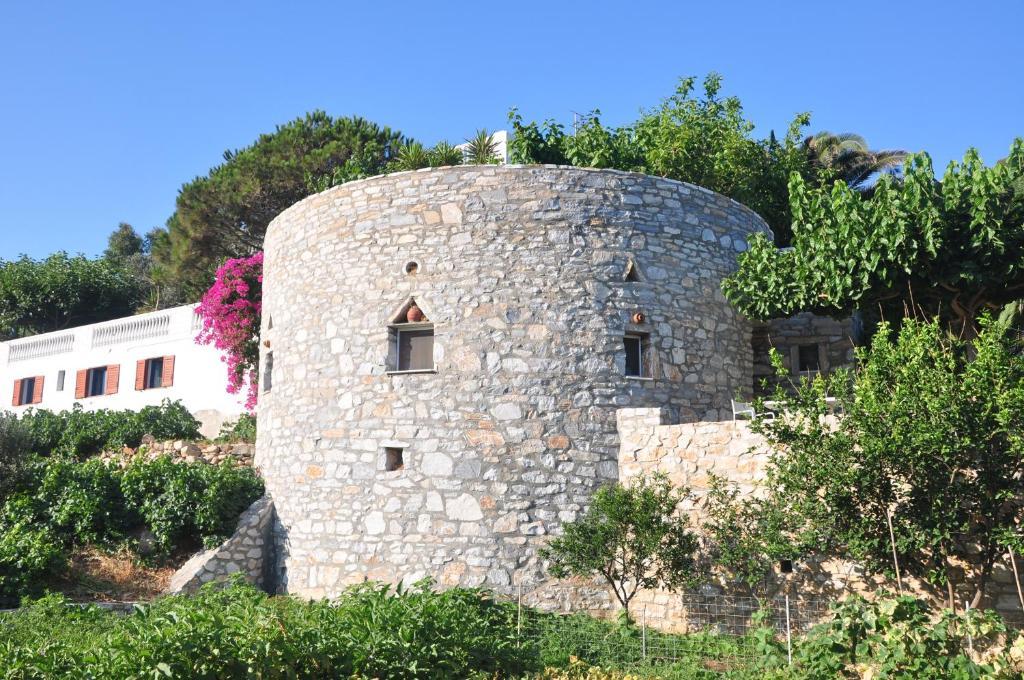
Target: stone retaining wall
{"type": "Point", "coordinates": [186, 451]}
{"type": "Point", "coordinates": [249, 551]}
{"type": "Point", "coordinates": [689, 453]}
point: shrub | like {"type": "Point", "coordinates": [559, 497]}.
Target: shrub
{"type": "Point", "coordinates": [64, 503]}
{"type": "Point", "coordinates": [181, 501]}
{"type": "Point", "coordinates": [15, 444]}
{"type": "Point", "coordinates": [28, 551]}
{"type": "Point", "coordinates": [240, 632]}
{"type": "Point", "coordinates": [79, 434]}
{"type": "Point", "coordinates": [242, 430]}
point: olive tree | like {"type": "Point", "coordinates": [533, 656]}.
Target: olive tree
{"type": "Point", "coordinates": [632, 536]}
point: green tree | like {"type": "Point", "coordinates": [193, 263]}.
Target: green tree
{"type": "Point", "coordinates": [38, 296]}
{"type": "Point", "coordinates": [226, 213]}
{"type": "Point", "coordinates": [930, 438]}
{"type": "Point", "coordinates": [846, 156]}
{"type": "Point", "coordinates": [948, 249]}
{"type": "Point", "coordinates": [632, 537]}
{"type": "Point", "coordinates": [704, 140]}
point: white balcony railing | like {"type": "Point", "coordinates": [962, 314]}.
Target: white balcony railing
{"type": "Point", "coordinates": [131, 330]}
{"type": "Point", "coordinates": [41, 347]}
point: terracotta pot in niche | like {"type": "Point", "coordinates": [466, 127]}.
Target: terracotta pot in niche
{"type": "Point", "coordinates": [414, 315]}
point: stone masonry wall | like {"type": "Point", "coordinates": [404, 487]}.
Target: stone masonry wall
{"type": "Point", "coordinates": [832, 340]}
{"type": "Point", "coordinates": [689, 453]}
{"type": "Point", "coordinates": [523, 272]}
{"type": "Point", "coordinates": [249, 551]}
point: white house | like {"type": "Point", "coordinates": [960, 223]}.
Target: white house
{"type": "Point", "coordinates": [122, 364]}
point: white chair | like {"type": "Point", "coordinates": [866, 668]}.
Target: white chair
{"type": "Point", "coordinates": [743, 408]}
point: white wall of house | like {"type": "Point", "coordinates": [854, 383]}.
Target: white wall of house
{"type": "Point", "coordinates": [199, 376]}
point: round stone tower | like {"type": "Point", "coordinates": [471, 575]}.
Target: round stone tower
{"type": "Point", "coordinates": [444, 352]}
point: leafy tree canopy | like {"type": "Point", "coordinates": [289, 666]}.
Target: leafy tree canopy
{"type": "Point", "coordinates": [38, 296]}
{"type": "Point", "coordinates": [930, 437]}
{"type": "Point", "coordinates": [225, 214]}
{"type": "Point", "coordinates": [950, 249]}
{"type": "Point", "coordinates": [632, 537]}
{"type": "Point", "coordinates": [703, 140]}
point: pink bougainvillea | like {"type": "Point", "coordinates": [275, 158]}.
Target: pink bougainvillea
{"type": "Point", "coordinates": [230, 311]}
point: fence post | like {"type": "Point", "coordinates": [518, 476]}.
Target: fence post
{"type": "Point", "coordinates": [643, 633]}
{"type": "Point", "coordinates": [895, 560]}
{"type": "Point", "coordinates": [519, 616]}
{"type": "Point", "coordinates": [970, 641]}
{"type": "Point", "coordinates": [1016, 578]}
{"type": "Point", "coordinates": [789, 634]}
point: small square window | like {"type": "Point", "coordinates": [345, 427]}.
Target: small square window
{"type": "Point", "coordinates": [807, 359]}
{"type": "Point", "coordinates": [414, 349]}
{"type": "Point", "coordinates": [637, 347]}
{"type": "Point", "coordinates": [60, 381]}
{"type": "Point", "coordinates": [393, 459]}
{"type": "Point", "coordinates": [28, 387]}
{"type": "Point", "coordinates": [154, 373]}
{"type": "Point", "coordinates": [96, 382]}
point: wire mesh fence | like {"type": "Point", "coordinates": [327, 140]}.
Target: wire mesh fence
{"type": "Point", "coordinates": [712, 633]}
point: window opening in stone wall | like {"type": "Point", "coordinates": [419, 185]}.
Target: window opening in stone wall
{"type": "Point", "coordinates": [394, 458]}
{"type": "Point", "coordinates": [807, 359]}
{"type": "Point", "coordinates": [410, 340]}
{"type": "Point", "coordinates": [414, 349]}
{"type": "Point", "coordinates": [632, 274]}
{"type": "Point", "coordinates": [154, 373]}
{"type": "Point", "coordinates": [268, 372]}
{"type": "Point", "coordinates": [28, 387]}
{"type": "Point", "coordinates": [96, 382]}
{"type": "Point", "coordinates": [637, 347]}
{"type": "Point", "coordinates": [60, 381]}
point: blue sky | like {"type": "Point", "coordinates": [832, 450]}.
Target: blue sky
{"type": "Point", "coordinates": [107, 108]}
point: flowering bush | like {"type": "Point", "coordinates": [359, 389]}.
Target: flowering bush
{"type": "Point", "coordinates": [230, 311]}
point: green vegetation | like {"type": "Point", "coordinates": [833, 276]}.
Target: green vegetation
{"type": "Point", "coordinates": [704, 140]}
{"type": "Point", "coordinates": [61, 503]}
{"type": "Point", "coordinates": [61, 291]}
{"type": "Point", "coordinates": [948, 249]}
{"type": "Point", "coordinates": [225, 213]}
{"type": "Point", "coordinates": [373, 632]}
{"type": "Point", "coordinates": [241, 430]}
{"type": "Point", "coordinates": [632, 537]}
{"type": "Point", "coordinates": [80, 434]}
{"type": "Point", "coordinates": [929, 438]}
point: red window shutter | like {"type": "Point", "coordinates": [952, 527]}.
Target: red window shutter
{"type": "Point", "coordinates": [140, 375]}
{"type": "Point", "coordinates": [167, 379]}
{"type": "Point", "coordinates": [113, 375]}
{"type": "Point", "coordinates": [37, 392]}
{"type": "Point", "coordinates": [80, 378]}
{"type": "Point", "coordinates": [17, 394]}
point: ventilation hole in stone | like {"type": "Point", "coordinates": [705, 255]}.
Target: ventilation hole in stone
{"type": "Point", "coordinates": [393, 459]}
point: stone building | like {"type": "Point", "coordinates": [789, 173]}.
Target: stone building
{"type": "Point", "coordinates": [444, 353]}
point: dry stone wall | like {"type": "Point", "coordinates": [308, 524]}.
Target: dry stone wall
{"type": "Point", "coordinates": [531, 277]}
{"type": "Point", "coordinates": [248, 552]}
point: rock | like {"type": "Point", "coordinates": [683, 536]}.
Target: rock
{"type": "Point", "coordinates": [465, 508]}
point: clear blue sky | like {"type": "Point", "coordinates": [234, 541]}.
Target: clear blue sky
{"type": "Point", "coordinates": [106, 109]}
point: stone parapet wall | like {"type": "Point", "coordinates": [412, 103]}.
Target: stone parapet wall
{"type": "Point", "coordinates": [689, 453]}
{"type": "Point", "coordinates": [249, 552]}
{"type": "Point", "coordinates": [524, 273]}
